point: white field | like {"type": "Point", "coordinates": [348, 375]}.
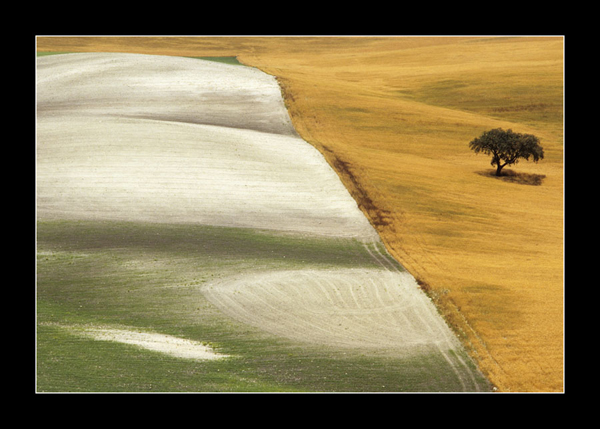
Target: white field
{"type": "Point", "coordinates": [167, 139]}
{"type": "Point", "coordinates": [176, 140]}
{"type": "Point", "coordinates": [161, 343]}
{"type": "Point", "coordinates": [350, 308]}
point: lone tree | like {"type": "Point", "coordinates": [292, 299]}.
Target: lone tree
{"type": "Point", "coordinates": [507, 147]}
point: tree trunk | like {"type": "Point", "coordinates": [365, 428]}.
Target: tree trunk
{"type": "Point", "coordinates": [499, 169]}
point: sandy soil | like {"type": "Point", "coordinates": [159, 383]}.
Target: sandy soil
{"type": "Point", "coordinates": [162, 139]}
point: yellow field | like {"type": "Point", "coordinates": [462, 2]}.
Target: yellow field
{"type": "Point", "coordinates": [394, 117]}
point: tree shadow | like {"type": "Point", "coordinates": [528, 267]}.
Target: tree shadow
{"type": "Point", "coordinates": [514, 177]}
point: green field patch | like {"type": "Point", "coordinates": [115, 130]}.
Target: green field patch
{"type": "Point", "coordinates": [71, 363]}
{"type": "Point", "coordinates": [212, 245]}
{"type": "Point", "coordinates": [226, 60]}
{"type": "Point", "coordinates": [43, 54]}
{"type": "Point", "coordinates": [150, 277]}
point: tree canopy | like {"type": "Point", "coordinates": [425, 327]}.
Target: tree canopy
{"type": "Point", "coordinates": [507, 147]}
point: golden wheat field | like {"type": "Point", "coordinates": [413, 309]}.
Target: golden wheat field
{"type": "Point", "coordinates": [394, 116]}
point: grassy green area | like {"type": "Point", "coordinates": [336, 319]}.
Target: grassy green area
{"type": "Point", "coordinates": [43, 54]}
{"type": "Point", "coordinates": [73, 364]}
{"type": "Point", "coordinates": [148, 276]}
{"type": "Point", "coordinates": [227, 60]}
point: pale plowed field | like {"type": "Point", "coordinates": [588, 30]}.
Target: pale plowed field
{"type": "Point", "coordinates": [136, 137]}
{"type": "Point", "coordinates": [346, 308]}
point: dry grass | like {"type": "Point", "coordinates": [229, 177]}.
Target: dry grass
{"type": "Point", "coordinates": [394, 116]}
